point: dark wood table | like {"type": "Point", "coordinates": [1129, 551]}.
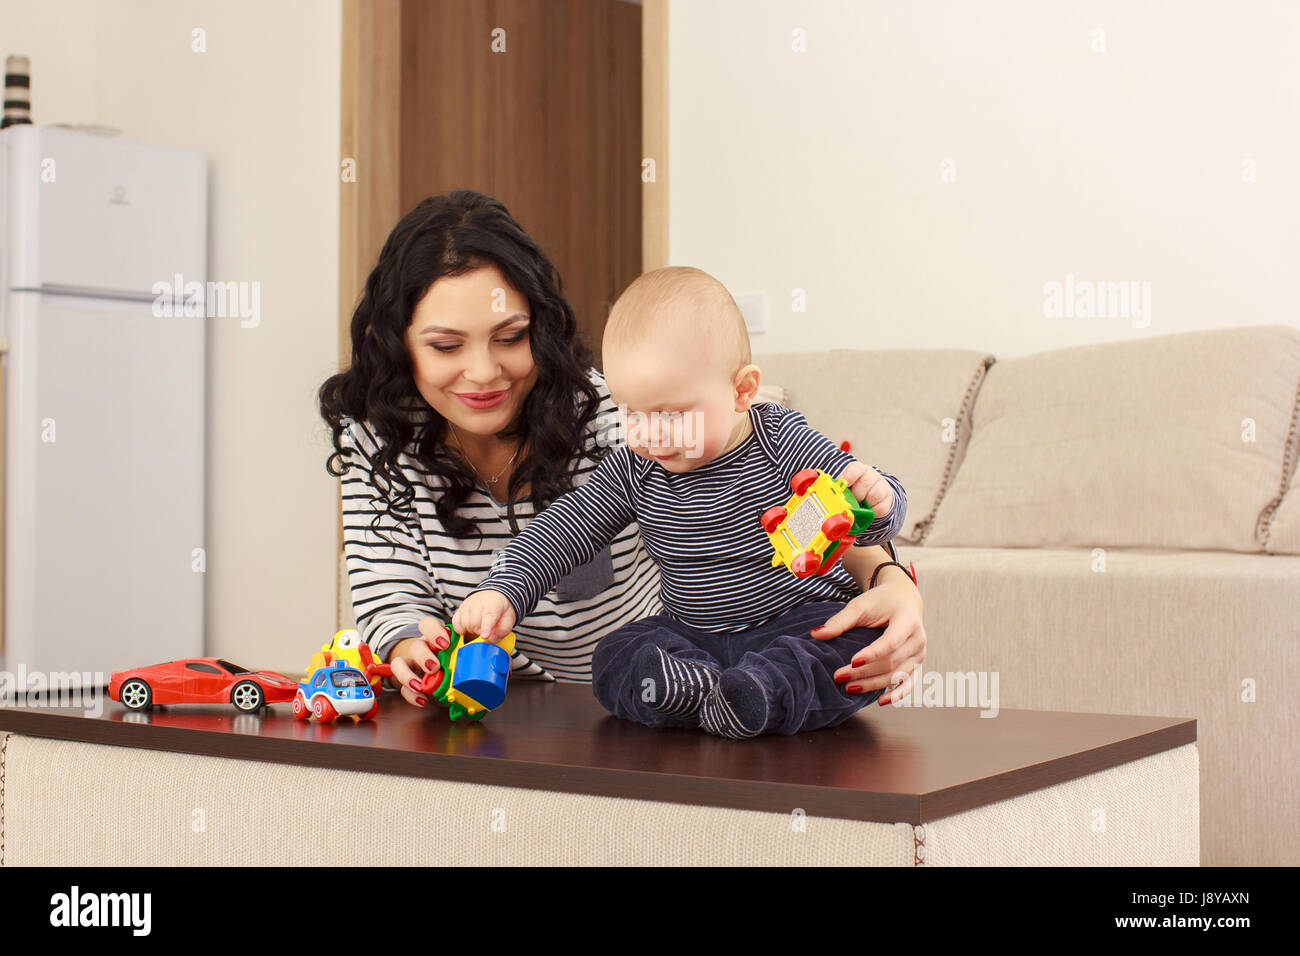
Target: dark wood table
{"type": "Point", "coordinates": [888, 764]}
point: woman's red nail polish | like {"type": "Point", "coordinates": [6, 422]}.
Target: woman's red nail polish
{"type": "Point", "coordinates": [859, 662]}
{"type": "Point", "coordinates": [421, 701]}
{"type": "Point", "coordinates": [415, 684]}
{"type": "Point", "coordinates": [841, 678]}
{"type": "Point", "coordinates": [853, 688]}
{"type": "Point", "coordinates": [883, 701]}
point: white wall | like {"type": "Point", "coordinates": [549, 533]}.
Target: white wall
{"type": "Point", "coordinates": [263, 103]}
{"type": "Point", "coordinates": [822, 170]}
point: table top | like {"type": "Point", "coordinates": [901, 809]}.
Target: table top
{"type": "Point", "coordinates": [887, 764]}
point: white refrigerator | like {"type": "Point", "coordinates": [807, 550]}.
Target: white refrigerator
{"type": "Point", "coordinates": [103, 442]}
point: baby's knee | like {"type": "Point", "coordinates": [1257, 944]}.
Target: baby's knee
{"type": "Point", "coordinates": [619, 642]}
{"type": "Point", "coordinates": [606, 651]}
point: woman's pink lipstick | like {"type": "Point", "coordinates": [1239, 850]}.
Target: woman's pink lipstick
{"type": "Point", "coordinates": [481, 399]}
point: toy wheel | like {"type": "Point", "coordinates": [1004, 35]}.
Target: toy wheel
{"type": "Point", "coordinates": [803, 480]}
{"type": "Point", "coordinates": [136, 694]}
{"type": "Point", "coordinates": [430, 682]}
{"type": "Point", "coordinates": [324, 710]}
{"type": "Point", "coordinates": [300, 708]}
{"type": "Point", "coordinates": [836, 527]}
{"type": "Point", "coordinates": [773, 517]}
{"type": "Point", "coordinates": [805, 564]}
{"type": "Point", "coordinates": [374, 709]}
{"type": "Point", "coordinates": [247, 696]}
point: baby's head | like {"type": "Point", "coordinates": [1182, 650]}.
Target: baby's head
{"type": "Point", "coordinates": [677, 362]}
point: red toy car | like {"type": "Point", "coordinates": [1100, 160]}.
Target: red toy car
{"type": "Point", "coordinates": [200, 680]}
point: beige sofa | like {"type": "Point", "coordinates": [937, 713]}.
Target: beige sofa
{"type": "Point", "coordinates": [1111, 528]}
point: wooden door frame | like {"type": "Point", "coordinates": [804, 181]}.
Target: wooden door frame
{"type": "Point", "coordinates": [654, 133]}
{"type": "Point", "coordinates": [370, 105]}
{"type": "Point", "coordinates": [370, 146]}
{"type": "Point", "coordinates": [370, 139]}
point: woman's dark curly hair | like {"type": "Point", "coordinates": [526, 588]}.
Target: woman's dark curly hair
{"type": "Point", "coordinates": [450, 235]}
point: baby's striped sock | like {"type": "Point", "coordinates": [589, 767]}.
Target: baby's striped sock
{"type": "Point", "coordinates": [679, 686]}
{"type": "Point", "coordinates": [736, 707]}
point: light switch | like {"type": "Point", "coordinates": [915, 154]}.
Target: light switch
{"type": "Point", "coordinates": [753, 306]}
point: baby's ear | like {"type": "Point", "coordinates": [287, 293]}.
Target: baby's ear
{"type": "Point", "coordinates": [746, 383]}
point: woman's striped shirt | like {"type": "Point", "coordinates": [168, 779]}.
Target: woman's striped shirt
{"type": "Point", "coordinates": [429, 572]}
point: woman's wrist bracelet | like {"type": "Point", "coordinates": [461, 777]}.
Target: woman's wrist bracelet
{"type": "Point", "coordinates": [886, 564]}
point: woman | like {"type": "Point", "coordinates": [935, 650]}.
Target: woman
{"type": "Point", "coordinates": [470, 405]}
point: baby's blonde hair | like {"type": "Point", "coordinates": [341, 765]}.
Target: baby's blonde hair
{"type": "Point", "coordinates": [683, 308]}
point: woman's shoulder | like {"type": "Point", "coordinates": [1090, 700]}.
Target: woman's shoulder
{"type": "Point", "coordinates": [606, 410]}
{"type": "Point", "coordinates": [359, 437]}
{"type": "Point", "coordinates": [363, 446]}
{"type": "Point", "coordinates": [605, 429]}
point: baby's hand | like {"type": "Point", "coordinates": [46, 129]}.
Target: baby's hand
{"type": "Point", "coordinates": [869, 485]}
{"type": "Point", "coordinates": [485, 614]}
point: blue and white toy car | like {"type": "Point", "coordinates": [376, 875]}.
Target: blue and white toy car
{"type": "Point", "coordinates": [335, 690]}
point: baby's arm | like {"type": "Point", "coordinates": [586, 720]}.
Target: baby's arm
{"type": "Point", "coordinates": [565, 534]}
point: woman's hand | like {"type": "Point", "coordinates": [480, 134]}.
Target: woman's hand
{"type": "Point", "coordinates": [486, 614]}
{"type": "Point", "coordinates": [415, 663]}
{"type": "Point", "coordinates": [890, 659]}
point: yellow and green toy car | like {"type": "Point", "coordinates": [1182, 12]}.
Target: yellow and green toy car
{"type": "Point", "coordinates": [813, 529]}
{"type": "Point", "coordinates": [474, 674]}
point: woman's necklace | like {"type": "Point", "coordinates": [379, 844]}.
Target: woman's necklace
{"type": "Point", "coordinates": [495, 478]}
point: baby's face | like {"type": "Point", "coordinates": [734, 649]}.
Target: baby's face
{"type": "Point", "coordinates": [678, 408]}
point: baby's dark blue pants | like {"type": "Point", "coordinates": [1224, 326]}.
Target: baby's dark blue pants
{"type": "Point", "coordinates": [794, 668]}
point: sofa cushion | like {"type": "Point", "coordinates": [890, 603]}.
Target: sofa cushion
{"type": "Point", "coordinates": [1175, 441]}
{"type": "Point", "coordinates": [905, 411]}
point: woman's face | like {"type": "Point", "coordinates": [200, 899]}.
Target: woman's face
{"type": "Point", "coordinates": [469, 347]}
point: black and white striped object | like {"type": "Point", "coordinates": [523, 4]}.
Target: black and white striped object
{"type": "Point", "coordinates": [680, 686]}
{"type": "Point", "coordinates": [18, 92]}
{"type": "Point", "coordinates": [430, 572]}
{"type": "Point", "coordinates": [735, 708]}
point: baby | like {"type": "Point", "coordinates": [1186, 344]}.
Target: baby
{"type": "Point", "coordinates": [702, 461]}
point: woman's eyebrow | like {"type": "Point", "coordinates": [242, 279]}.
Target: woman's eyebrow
{"type": "Point", "coordinates": [500, 325]}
